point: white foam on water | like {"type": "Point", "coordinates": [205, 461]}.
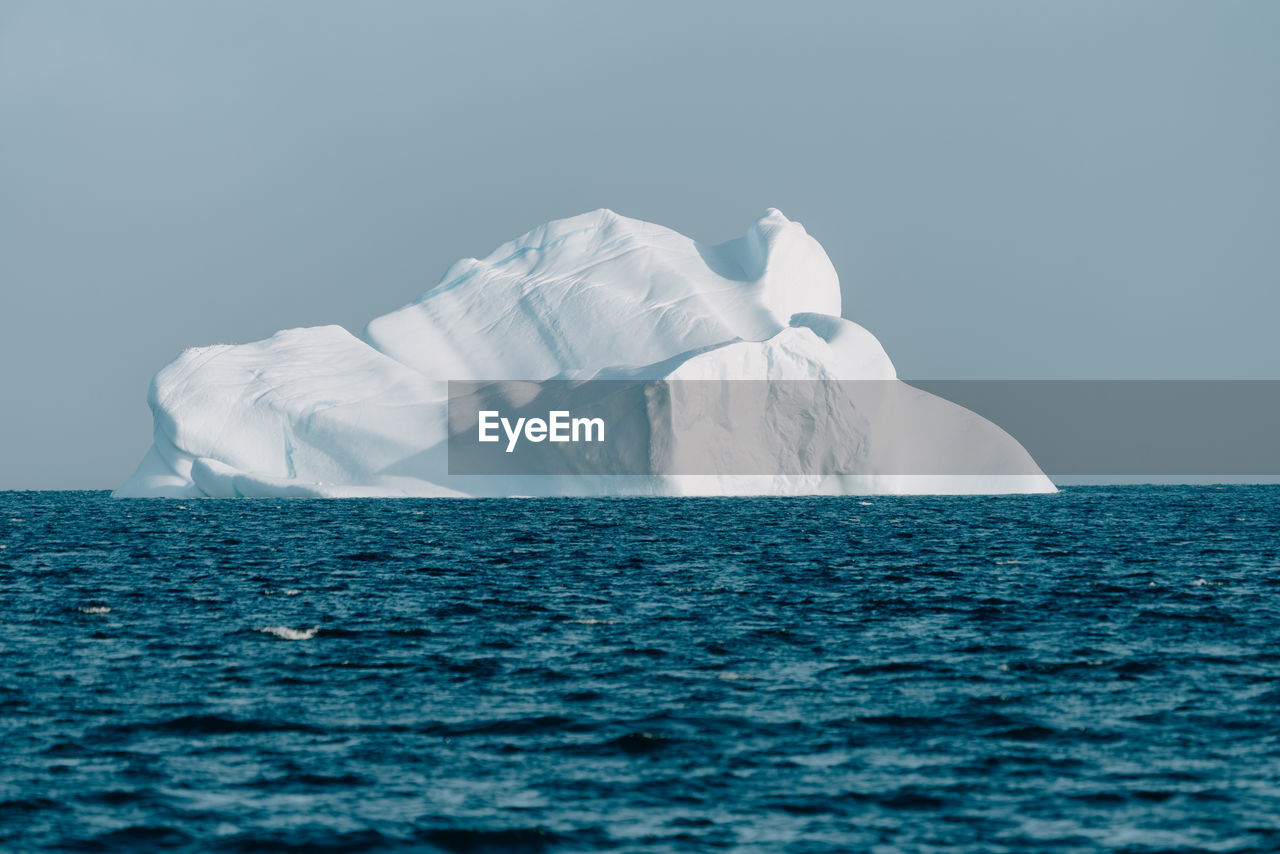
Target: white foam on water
{"type": "Point", "coordinates": [95, 609]}
{"type": "Point", "coordinates": [286, 633]}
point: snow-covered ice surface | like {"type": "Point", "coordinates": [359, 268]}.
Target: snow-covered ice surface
{"type": "Point", "coordinates": [320, 412]}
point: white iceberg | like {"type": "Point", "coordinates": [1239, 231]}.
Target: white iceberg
{"type": "Point", "coordinates": [320, 412]}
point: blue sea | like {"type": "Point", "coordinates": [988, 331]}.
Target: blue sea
{"type": "Point", "coordinates": [1097, 670]}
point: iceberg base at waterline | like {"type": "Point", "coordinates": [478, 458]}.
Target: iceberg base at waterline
{"type": "Point", "coordinates": [320, 412]}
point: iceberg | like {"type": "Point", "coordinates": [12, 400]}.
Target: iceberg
{"type": "Point", "coordinates": [320, 412]}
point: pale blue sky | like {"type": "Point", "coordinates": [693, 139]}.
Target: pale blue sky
{"type": "Point", "coordinates": [1008, 190]}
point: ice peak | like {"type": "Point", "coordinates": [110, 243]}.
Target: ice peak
{"type": "Point", "coordinates": [599, 289]}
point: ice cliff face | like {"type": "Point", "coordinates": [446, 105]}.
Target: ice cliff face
{"type": "Point", "coordinates": [319, 412]}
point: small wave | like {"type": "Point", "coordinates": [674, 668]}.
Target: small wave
{"type": "Point", "coordinates": [368, 557]}
{"type": "Point", "coordinates": [457, 609]}
{"type": "Point", "coordinates": [510, 726]}
{"type": "Point", "coordinates": [309, 839]}
{"type": "Point", "coordinates": [286, 633]}
{"type": "Point", "coordinates": [592, 696]}
{"type": "Point", "coordinates": [477, 666]}
{"type": "Point", "coordinates": [95, 609]}
{"type": "Point", "coordinates": [894, 667]}
{"type": "Point", "coordinates": [22, 805]}
{"type": "Point", "coordinates": [207, 725]}
{"type": "Point", "coordinates": [912, 798]}
{"type": "Point", "coordinates": [307, 780]}
{"type": "Point", "coordinates": [122, 797]}
{"type": "Point", "coordinates": [638, 743]}
{"type": "Point", "coordinates": [134, 838]}
{"type": "Point", "coordinates": [460, 840]}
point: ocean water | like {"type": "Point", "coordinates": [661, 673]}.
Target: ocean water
{"type": "Point", "coordinates": [1097, 670]}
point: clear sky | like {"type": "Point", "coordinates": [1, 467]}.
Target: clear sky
{"type": "Point", "coordinates": [1008, 190]}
